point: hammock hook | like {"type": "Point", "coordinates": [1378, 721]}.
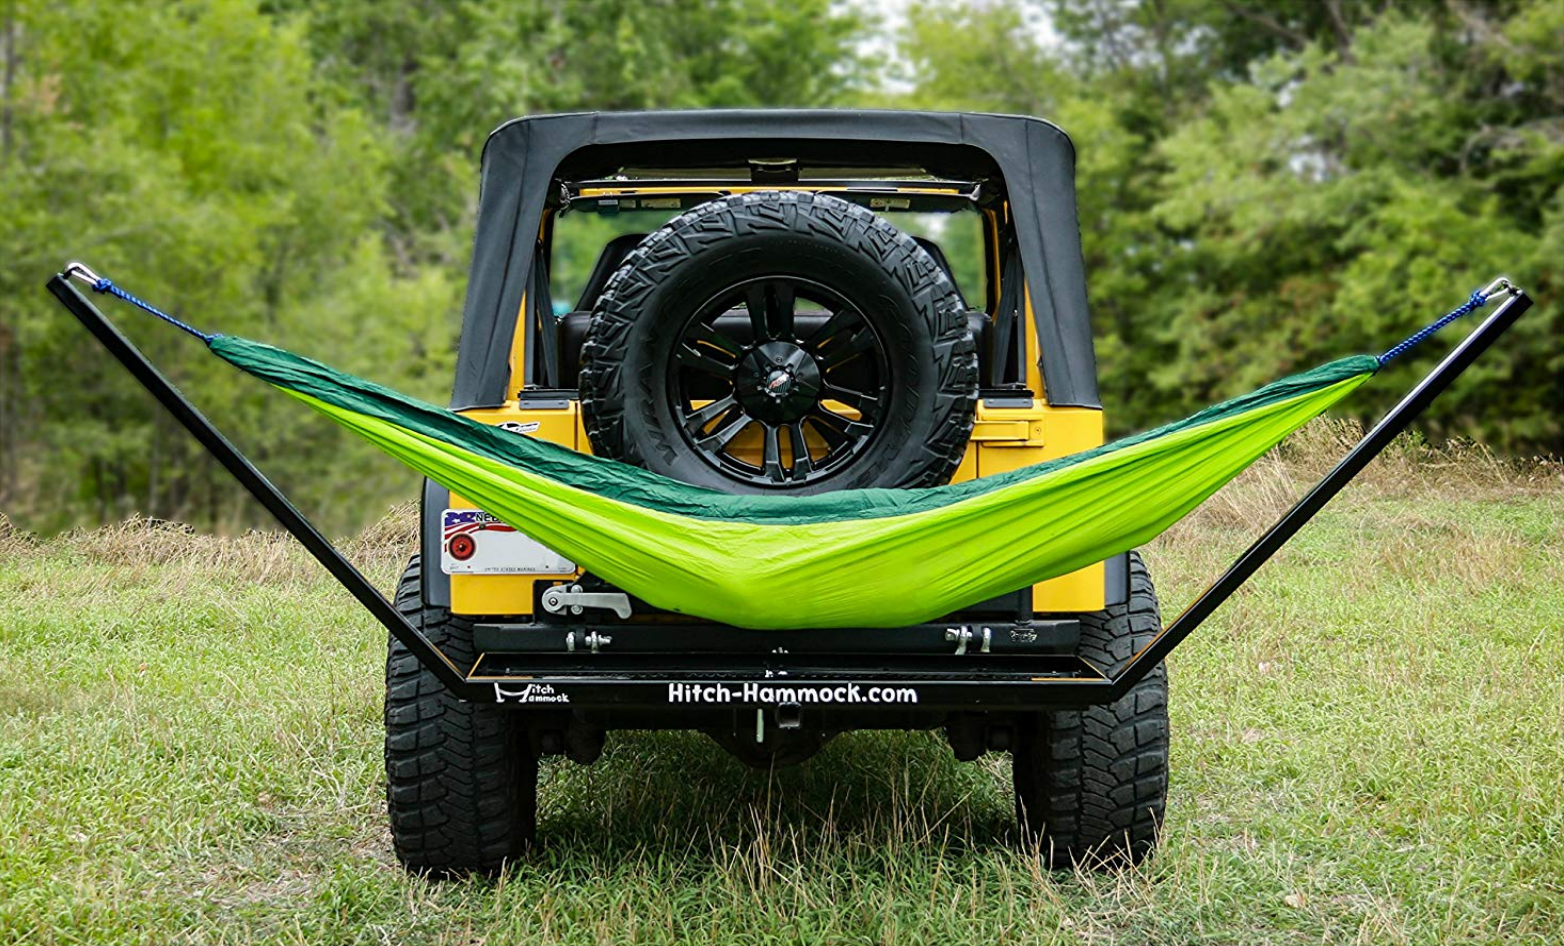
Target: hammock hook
{"type": "Point", "coordinates": [1501, 284]}
{"type": "Point", "coordinates": [83, 272]}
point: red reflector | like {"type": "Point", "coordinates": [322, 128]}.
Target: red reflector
{"type": "Point", "coordinates": [462, 547]}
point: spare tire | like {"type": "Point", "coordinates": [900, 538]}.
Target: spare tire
{"type": "Point", "coordinates": [781, 341]}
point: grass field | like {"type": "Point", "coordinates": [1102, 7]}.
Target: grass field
{"type": "Point", "coordinates": [1368, 747]}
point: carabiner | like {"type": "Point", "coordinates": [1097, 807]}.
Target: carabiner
{"type": "Point", "coordinates": [83, 272]}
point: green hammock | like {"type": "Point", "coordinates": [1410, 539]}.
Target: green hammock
{"type": "Point", "coordinates": [863, 558]}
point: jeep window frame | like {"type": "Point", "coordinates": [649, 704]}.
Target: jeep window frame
{"type": "Point", "coordinates": [1024, 164]}
{"type": "Point", "coordinates": [539, 371]}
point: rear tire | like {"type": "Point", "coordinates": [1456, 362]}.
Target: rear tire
{"type": "Point", "coordinates": [664, 387]}
{"type": "Point", "coordinates": [461, 778]}
{"type": "Point", "coordinates": [1091, 785]}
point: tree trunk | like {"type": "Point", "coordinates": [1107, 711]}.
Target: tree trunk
{"type": "Point", "coordinates": [7, 83]}
{"type": "Point", "coordinates": [9, 359]}
{"type": "Point", "coordinates": [154, 464]}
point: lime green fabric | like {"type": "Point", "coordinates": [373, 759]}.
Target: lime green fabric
{"type": "Point", "coordinates": [853, 558]}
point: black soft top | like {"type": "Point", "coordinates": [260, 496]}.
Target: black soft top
{"type": "Point", "coordinates": [1032, 160]}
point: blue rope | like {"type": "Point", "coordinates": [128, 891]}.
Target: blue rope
{"type": "Point", "coordinates": [104, 285]}
{"type": "Point", "coordinates": [1477, 301]}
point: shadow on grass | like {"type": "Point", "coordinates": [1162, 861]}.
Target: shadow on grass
{"type": "Point", "coordinates": [678, 796]}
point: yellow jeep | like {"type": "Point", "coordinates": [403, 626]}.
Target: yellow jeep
{"type": "Point", "coordinates": [755, 302]}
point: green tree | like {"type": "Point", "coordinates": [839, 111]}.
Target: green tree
{"type": "Point", "coordinates": [1337, 199]}
{"type": "Point", "coordinates": [302, 172]}
{"type": "Point", "coordinates": [443, 75]}
{"type": "Point", "coordinates": [1267, 185]}
{"type": "Point", "coordinates": [185, 148]}
{"type": "Point", "coordinates": [1263, 184]}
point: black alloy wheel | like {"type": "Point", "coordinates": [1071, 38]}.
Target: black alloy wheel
{"type": "Point", "coordinates": [814, 387]}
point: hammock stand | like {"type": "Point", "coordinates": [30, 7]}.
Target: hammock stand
{"type": "Point", "coordinates": [592, 682]}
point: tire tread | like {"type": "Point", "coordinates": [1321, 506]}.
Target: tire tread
{"type": "Point", "coordinates": [1091, 784]}
{"type": "Point", "coordinates": [461, 779]}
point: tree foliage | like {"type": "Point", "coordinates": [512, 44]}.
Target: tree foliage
{"type": "Point", "coordinates": [305, 172]}
{"type": "Point", "coordinates": [1264, 184]}
{"type": "Point", "coordinates": [187, 147]}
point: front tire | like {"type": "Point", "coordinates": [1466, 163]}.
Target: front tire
{"type": "Point", "coordinates": [461, 778]}
{"type": "Point", "coordinates": [1091, 785]}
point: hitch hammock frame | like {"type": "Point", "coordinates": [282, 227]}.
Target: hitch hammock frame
{"type": "Point", "coordinates": [545, 681]}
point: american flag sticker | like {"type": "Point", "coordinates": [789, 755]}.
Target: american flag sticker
{"type": "Point", "coordinates": [473, 542]}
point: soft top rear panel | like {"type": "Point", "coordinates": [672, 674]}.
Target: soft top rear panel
{"type": "Point", "coordinates": [1034, 158]}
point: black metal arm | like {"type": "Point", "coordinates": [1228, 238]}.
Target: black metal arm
{"type": "Point", "coordinates": [263, 490]}
{"type": "Point", "coordinates": [1372, 444]}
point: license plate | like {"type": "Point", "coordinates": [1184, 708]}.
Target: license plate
{"type": "Point", "coordinates": [475, 543]}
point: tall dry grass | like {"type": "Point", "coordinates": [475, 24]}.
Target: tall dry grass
{"type": "Point", "coordinates": [1411, 468]}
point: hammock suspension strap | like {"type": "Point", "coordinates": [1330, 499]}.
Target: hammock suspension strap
{"type": "Point", "coordinates": [100, 284]}
{"type": "Point", "coordinates": [1476, 301]}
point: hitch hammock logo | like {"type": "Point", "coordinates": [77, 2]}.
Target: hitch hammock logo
{"type": "Point", "coordinates": [844, 693]}
{"type": "Point", "coordinates": [531, 693]}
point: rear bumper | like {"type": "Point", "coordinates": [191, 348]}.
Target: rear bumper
{"type": "Point", "coordinates": [674, 668]}
{"type": "Point", "coordinates": [673, 643]}
{"type": "Point", "coordinates": [815, 687]}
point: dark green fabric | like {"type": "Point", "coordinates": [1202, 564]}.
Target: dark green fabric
{"type": "Point", "coordinates": [640, 487]}
{"type": "Point", "coordinates": [869, 558]}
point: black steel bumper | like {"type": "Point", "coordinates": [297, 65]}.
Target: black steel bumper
{"type": "Point", "coordinates": [834, 685]}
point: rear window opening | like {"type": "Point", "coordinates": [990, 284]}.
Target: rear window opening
{"type": "Point", "coordinates": [592, 236]}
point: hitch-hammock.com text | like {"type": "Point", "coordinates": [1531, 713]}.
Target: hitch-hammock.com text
{"type": "Point", "coordinates": [758, 693]}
